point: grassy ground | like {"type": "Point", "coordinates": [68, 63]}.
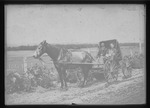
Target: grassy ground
{"type": "Point", "coordinates": [128, 91]}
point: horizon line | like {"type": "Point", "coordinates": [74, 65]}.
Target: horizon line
{"type": "Point", "coordinates": [68, 44]}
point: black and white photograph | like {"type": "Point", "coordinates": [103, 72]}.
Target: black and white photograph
{"type": "Point", "coordinates": [86, 54]}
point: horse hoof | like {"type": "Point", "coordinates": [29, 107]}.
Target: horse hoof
{"type": "Point", "coordinates": [63, 89]}
{"type": "Point", "coordinates": [82, 86]}
{"type": "Point", "coordinates": [66, 88]}
{"type": "Point", "coordinates": [107, 84]}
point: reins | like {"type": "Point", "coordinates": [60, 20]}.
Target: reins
{"type": "Point", "coordinates": [54, 61]}
{"type": "Point", "coordinates": [43, 62]}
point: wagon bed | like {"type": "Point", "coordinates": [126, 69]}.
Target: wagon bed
{"type": "Point", "coordinates": [77, 63]}
{"type": "Point", "coordinates": [92, 66]}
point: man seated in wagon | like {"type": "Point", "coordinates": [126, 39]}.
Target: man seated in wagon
{"type": "Point", "coordinates": [111, 52]}
{"type": "Point", "coordinates": [101, 54]}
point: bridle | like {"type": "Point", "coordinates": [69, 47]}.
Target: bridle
{"type": "Point", "coordinates": [41, 60]}
{"type": "Point", "coordinates": [54, 61]}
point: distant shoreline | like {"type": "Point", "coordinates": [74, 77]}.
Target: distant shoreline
{"type": "Point", "coordinates": [68, 46]}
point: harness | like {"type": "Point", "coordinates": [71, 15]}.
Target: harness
{"type": "Point", "coordinates": [60, 58]}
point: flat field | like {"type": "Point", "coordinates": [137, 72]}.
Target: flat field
{"type": "Point", "coordinates": [128, 91]}
{"type": "Point", "coordinates": [14, 59]}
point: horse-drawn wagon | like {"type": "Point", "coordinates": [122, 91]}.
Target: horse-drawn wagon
{"type": "Point", "coordinates": [65, 59]}
{"type": "Point", "coordinates": [113, 63]}
{"type": "Point", "coordinates": [110, 67]}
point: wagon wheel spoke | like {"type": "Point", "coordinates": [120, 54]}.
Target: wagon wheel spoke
{"type": "Point", "coordinates": [110, 78]}
{"type": "Point", "coordinates": [114, 70]}
{"type": "Point", "coordinates": [106, 75]}
{"type": "Point", "coordinates": [111, 69]}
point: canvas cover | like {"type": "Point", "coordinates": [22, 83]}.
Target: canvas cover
{"type": "Point", "coordinates": [107, 43]}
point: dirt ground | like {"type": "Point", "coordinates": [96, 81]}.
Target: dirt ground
{"type": "Point", "coordinates": [125, 91]}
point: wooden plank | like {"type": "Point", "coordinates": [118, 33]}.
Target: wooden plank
{"type": "Point", "coordinates": [90, 65]}
{"type": "Point", "coordinates": [79, 63]}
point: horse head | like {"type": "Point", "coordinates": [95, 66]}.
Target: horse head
{"type": "Point", "coordinates": [41, 49]}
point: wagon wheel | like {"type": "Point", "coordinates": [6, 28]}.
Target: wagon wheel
{"type": "Point", "coordinates": [34, 82]}
{"type": "Point", "coordinates": [111, 71]}
{"type": "Point", "coordinates": [130, 71]}
{"type": "Point", "coordinates": [108, 77]}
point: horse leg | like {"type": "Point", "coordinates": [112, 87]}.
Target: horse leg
{"type": "Point", "coordinates": [61, 79]}
{"type": "Point", "coordinates": [65, 77]}
{"type": "Point", "coordinates": [85, 71]}
{"type": "Point", "coordinates": [60, 76]}
{"type": "Point", "coordinates": [59, 69]}
{"type": "Point", "coordinates": [85, 79]}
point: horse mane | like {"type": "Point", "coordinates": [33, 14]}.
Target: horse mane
{"type": "Point", "coordinates": [54, 51]}
{"type": "Point", "coordinates": [53, 46]}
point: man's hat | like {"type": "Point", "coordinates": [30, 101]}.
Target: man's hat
{"type": "Point", "coordinates": [102, 44]}
{"type": "Point", "coordinates": [112, 44]}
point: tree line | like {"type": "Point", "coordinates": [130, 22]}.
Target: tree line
{"type": "Point", "coordinates": [67, 46]}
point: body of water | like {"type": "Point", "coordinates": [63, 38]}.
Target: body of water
{"type": "Point", "coordinates": [19, 53]}
{"type": "Point", "coordinates": [28, 53]}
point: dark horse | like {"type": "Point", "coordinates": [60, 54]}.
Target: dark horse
{"type": "Point", "coordinates": [61, 55]}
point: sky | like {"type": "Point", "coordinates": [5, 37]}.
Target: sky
{"type": "Point", "coordinates": [31, 24]}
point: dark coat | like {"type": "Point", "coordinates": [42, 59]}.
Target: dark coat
{"type": "Point", "coordinates": [102, 51]}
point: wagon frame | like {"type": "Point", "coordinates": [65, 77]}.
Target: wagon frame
{"type": "Point", "coordinates": [110, 68]}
